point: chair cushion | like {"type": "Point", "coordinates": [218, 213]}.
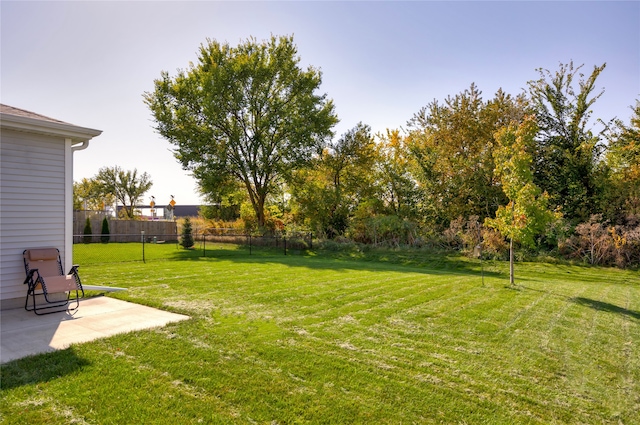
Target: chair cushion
{"type": "Point", "coordinates": [60, 284]}
{"type": "Point", "coordinates": [43, 254]}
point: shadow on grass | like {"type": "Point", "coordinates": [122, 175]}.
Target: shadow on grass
{"type": "Point", "coordinates": [599, 305]}
{"type": "Point", "coordinates": [40, 368]}
{"type": "Point", "coordinates": [413, 261]}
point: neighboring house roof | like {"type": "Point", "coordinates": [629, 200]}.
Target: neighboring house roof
{"type": "Point", "coordinates": [186, 210]}
{"type": "Point", "coordinates": [178, 210]}
{"type": "Point", "coordinates": [22, 120]}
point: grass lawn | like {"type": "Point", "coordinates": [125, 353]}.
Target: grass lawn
{"type": "Point", "coordinates": [370, 338]}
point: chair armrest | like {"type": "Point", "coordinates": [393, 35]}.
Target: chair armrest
{"type": "Point", "coordinates": [74, 272]}
{"type": "Point", "coordinates": [30, 276]}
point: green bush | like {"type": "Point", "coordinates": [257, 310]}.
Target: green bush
{"type": "Point", "coordinates": [87, 231]}
{"type": "Point", "coordinates": [105, 231]}
{"type": "Point", "coordinates": [186, 236]}
{"type": "Point", "coordinates": [384, 230]}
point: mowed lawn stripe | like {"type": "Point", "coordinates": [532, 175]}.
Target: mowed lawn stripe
{"type": "Point", "coordinates": [298, 339]}
{"type": "Point", "coordinates": [455, 301]}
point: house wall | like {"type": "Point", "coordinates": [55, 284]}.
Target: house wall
{"type": "Point", "coordinates": [33, 198]}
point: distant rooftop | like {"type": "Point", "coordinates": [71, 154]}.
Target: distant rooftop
{"type": "Point", "coordinates": [10, 110]}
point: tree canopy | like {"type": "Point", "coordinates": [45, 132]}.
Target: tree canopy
{"type": "Point", "coordinates": [88, 195]}
{"type": "Point", "coordinates": [247, 114]}
{"type": "Point", "coordinates": [527, 214]}
{"type": "Point", "coordinates": [127, 186]}
{"type": "Point", "coordinates": [567, 154]}
{"type": "Point", "coordinates": [250, 125]}
{"type": "Point", "coordinates": [623, 162]}
{"type": "Point", "coordinates": [329, 192]}
{"type": "Point", "coordinates": [452, 143]}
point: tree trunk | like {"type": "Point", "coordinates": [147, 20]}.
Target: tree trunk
{"type": "Point", "coordinates": [260, 211]}
{"type": "Point", "coordinates": [511, 280]}
{"type": "Point", "coordinates": [257, 201]}
{"type": "Point", "coordinates": [261, 218]}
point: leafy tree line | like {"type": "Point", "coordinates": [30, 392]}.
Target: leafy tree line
{"type": "Point", "coordinates": [250, 124]}
{"type": "Point", "coordinates": [111, 185]}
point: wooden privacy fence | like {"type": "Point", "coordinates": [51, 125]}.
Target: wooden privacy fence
{"type": "Point", "coordinates": [126, 230]}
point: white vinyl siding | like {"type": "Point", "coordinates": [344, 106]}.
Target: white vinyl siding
{"type": "Point", "coordinates": [32, 202]}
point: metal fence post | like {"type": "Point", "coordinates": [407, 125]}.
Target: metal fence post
{"type": "Point", "coordinates": [142, 237]}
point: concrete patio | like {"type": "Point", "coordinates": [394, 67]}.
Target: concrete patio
{"type": "Point", "coordinates": [23, 333]}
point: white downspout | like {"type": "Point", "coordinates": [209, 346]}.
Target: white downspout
{"type": "Point", "coordinates": [70, 148]}
{"type": "Point", "coordinates": [80, 147]}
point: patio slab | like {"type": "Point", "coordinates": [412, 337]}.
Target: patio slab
{"type": "Point", "coordinates": [23, 333]}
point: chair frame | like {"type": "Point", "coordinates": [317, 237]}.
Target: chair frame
{"type": "Point", "coordinates": [38, 286]}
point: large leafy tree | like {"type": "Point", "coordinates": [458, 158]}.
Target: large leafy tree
{"type": "Point", "coordinates": [396, 183]}
{"type": "Point", "coordinates": [452, 143]}
{"type": "Point", "coordinates": [247, 114]}
{"type": "Point", "coordinates": [623, 163]}
{"type": "Point", "coordinates": [342, 177]}
{"type": "Point", "coordinates": [389, 208]}
{"type": "Point", "coordinates": [566, 161]}
{"type": "Point", "coordinates": [128, 187]}
{"type": "Point", "coordinates": [88, 195]}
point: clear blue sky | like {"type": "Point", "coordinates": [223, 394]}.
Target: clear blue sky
{"type": "Point", "coordinates": [88, 63]}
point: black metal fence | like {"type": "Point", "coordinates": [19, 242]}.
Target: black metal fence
{"type": "Point", "coordinates": [291, 241]}
{"type": "Point", "coordinates": [100, 249]}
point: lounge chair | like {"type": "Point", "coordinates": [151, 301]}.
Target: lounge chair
{"type": "Point", "coordinates": [48, 283]}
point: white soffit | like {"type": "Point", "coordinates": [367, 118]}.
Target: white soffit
{"type": "Point", "coordinates": [36, 125]}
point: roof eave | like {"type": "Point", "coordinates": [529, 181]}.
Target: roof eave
{"type": "Point", "coordinates": [33, 125]}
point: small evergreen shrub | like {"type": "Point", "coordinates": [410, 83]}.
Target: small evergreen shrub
{"type": "Point", "coordinates": [186, 236]}
{"type": "Point", "coordinates": [87, 231]}
{"type": "Point", "coordinates": [105, 231]}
